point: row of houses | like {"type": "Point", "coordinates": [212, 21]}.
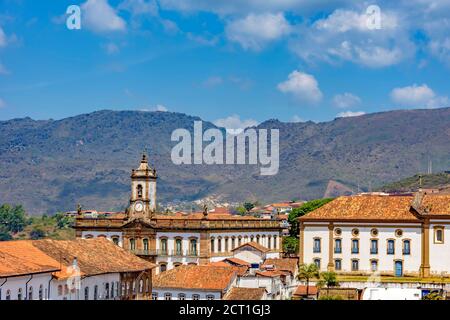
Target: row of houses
{"type": "Point", "coordinates": [94, 269]}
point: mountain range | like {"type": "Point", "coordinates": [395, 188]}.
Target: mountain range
{"type": "Point", "coordinates": [51, 165]}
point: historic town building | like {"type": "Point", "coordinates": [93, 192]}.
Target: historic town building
{"type": "Point", "coordinates": [93, 269]}
{"type": "Point", "coordinates": [171, 240]}
{"type": "Point", "coordinates": [392, 235]}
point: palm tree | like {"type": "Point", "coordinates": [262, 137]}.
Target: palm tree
{"type": "Point", "coordinates": [328, 279]}
{"type": "Point", "coordinates": [307, 272]}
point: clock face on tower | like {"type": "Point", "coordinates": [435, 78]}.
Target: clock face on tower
{"type": "Point", "coordinates": [138, 206]}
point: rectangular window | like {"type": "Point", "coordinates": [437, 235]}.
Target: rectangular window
{"type": "Point", "coordinates": [338, 264]}
{"type": "Point", "coordinates": [406, 247]}
{"type": "Point", "coordinates": [337, 246]}
{"type": "Point", "coordinates": [390, 247]}
{"type": "Point", "coordinates": [317, 263]}
{"type": "Point", "coordinates": [195, 297]}
{"type": "Point", "coordinates": [439, 235]}
{"type": "Point", "coordinates": [181, 296]}
{"type": "Point", "coordinates": [154, 296]}
{"type": "Point", "coordinates": [316, 248]}
{"type": "Point", "coordinates": [163, 246]}
{"type": "Point", "coordinates": [209, 297]}
{"type": "Point", "coordinates": [168, 296]}
{"type": "Point", "coordinates": [355, 246]}
{"type": "Point", "coordinates": [374, 246]}
{"type": "Point", "coordinates": [355, 265]}
{"type": "Point", "coordinates": [374, 265]}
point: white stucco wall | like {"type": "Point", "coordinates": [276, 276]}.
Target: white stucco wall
{"type": "Point", "coordinates": [13, 284]}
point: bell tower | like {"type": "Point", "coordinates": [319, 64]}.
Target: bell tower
{"type": "Point", "coordinates": [143, 191]}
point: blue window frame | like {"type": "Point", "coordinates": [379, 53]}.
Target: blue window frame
{"type": "Point", "coordinates": [355, 246]}
{"type": "Point", "coordinates": [374, 246]}
{"type": "Point", "coordinates": [337, 246]}
{"type": "Point", "coordinates": [390, 247]}
{"type": "Point", "coordinates": [316, 248]}
{"type": "Point", "coordinates": [406, 247]}
{"type": "Point", "coordinates": [337, 264]}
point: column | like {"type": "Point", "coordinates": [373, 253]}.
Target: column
{"type": "Point", "coordinates": [330, 266]}
{"type": "Point", "coordinates": [425, 266]}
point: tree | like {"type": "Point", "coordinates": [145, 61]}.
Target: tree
{"type": "Point", "coordinates": [13, 218]}
{"type": "Point", "coordinates": [37, 233]}
{"type": "Point", "coordinates": [4, 233]}
{"type": "Point", "coordinates": [248, 206]}
{"type": "Point", "coordinates": [301, 211]}
{"type": "Point", "coordinates": [290, 245]}
{"type": "Point", "coordinates": [307, 272]}
{"type": "Point", "coordinates": [63, 221]}
{"type": "Point", "coordinates": [328, 279]}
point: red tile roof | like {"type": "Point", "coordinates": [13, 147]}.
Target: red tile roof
{"type": "Point", "coordinates": [21, 258]}
{"type": "Point", "coordinates": [255, 245]}
{"type": "Point", "coordinates": [238, 262]}
{"type": "Point", "coordinates": [301, 290]}
{"type": "Point", "coordinates": [245, 294]}
{"type": "Point", "coordinates": [284, 264]}
{"type": "Point", "coordinates": [94, 256]}
{"type": "Point", "coordinates": [196, 277]}
{"type": "Point", "coordinates": [365, 207]}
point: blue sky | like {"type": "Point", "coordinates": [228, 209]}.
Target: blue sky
{"type": "Point", "coordinates": [233, 62]}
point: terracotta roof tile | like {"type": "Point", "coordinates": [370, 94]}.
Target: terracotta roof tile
{"type": "Point", "coordinates": [94, 256]}
{"type": "Point", "coordinates": [196, 277]}
{"type": "Point", "coordinates": [436, 204]}
{"type": "Point", "coordinates": [245, 294]}
{"type": "Point", "coordinates": [365, 207]}
{"type": "Point", "coordinates": [284, 264]}
{"type": "Point", "coordinates": [255, 245]}
{"type": "Point", "coordinates": [301, 290]}
{"type": "Point", "coordinates": [238, 262]}
{"type": "Point", "coordinates": [21, 257]}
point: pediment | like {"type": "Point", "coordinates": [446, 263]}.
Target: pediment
{"type": "Point", "coordinates": [138, 224]}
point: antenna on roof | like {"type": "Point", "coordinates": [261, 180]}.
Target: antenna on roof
{"type": "Point", "coordinates": [420, 182]}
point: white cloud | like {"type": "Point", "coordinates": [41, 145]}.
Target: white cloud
{"type": "Point", "coordinates": [345, 36]}
{"type": "Point", "coordinates": [139, 7]}
{"type": "Point", "coordinates": [346, 100]}
{"type": "Point", "coordinates": [160, 107]}
{"type": "Point", "coordinates": [347, 114]}
{"type": "Point", "coordinates": [296, 118]}
{"type": "Point", "coordinates": [99, 16]}
{"type": "Point", "coordinates": [212, 82]}
{"type": "Point", "coordinates": [302, 86]}
{"type": "Point", "coordinates": [111, 48]}
{"type": "Point", "coordinates": [3, 70]}
{"type": "Point", "coordinates": [418, 96]}
{"type": "Point", "coordinates": [3, 39]}
{"type": "Point", "coordinates": [256, 30]}
{"type": "Point", "coordinates": [234, 124]}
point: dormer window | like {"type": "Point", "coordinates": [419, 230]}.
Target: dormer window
{"type": "Point", "coordinates": [139, 191]}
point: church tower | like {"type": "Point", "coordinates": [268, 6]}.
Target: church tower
{"type": "Point", "coordinates": [143, 191]}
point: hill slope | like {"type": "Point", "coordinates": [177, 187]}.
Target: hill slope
{"type": "Point", "coordinates": [54, 164]}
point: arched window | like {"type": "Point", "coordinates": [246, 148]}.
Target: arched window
{"type": "Point", "coordinates": [239, 241]}
{"type": "Point", "coordinates": [252, 238]}
{"type": "Point", "coordinates": [41, 293]}
{"type": "Point", "coordinates": [275, 243]}
{"type": "Point", "coordinates": [60, 290]}
{"type": "Point", "coordinates": [19, 294]}
{"type": "Point", "coordinates": [212, 245]}
{"type": "Point", "coordinates": [269, 242]}
{"type": "Point", "coordinates": [162, 267]}
{"type": "Point", "coordinates": [167, 296]}
{"type": "Point", "coordinates": [95, 292]}
{"type": "Point", "coordinates": [115, 240]}
{"type": "Point", "coordinates": [178, 247]}
{"type": "Point", "coordinates": [88, 236]}
{"type": "Point", "coordinates": [193, 247]}
{"type": "Point", "coordinates": [132, 244]}
{"type": "Point", "coordinates": [107, 290]}
{"type": "Point", "coordinates": [226, 244]}
{"type": "Point", "coordinates": [145, 244]}
{"type": "Point", "coordinates": [258, 239]}
{"type": "Point", "coordinates": [112, 289]}
{"type": "Point", "coordinates": [141, 286]}
{"type": "Point", "coordinates": [233, 242]}
{"type": "Point", "coordinates": [86, 293]}
{"type": "Point", "coordinates": [219, 244]}
{"type": "Point", "coordinates": [163, 246]}
{"type": "Point", "coordinates": [181, 296]}
{"type": "Point", "coordinates": [30, 293]}
{"type": "Point", "coordinates": [195, 297]}
{"type": "Point", "coordinates": [209, 297]}
{"type": "Point", "coordinates": [8, 294]}
{"type": "Point", "coordinates": [139, 191]}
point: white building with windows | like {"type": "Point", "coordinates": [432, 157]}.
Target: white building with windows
{"type": "Point", "coordinates": [396, 235]}
{"type": "Point", "coordinates": [94, 269]}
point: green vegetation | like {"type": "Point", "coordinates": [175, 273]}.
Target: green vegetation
{"type": "Point", "coordinates": [433, 296]}
{"type": "Point", "coordinates": [307, 272]}
{"type": "Point", "coordinates": [301, 211]}
{"type": "Point", "coordinates": [290, 245]}
{"type": "Point", "coordinates": [15, 224]}
{"type": "Point", "coordinates": [410, 184]}
{"type": "Point", "coordinates": [328, 279]}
